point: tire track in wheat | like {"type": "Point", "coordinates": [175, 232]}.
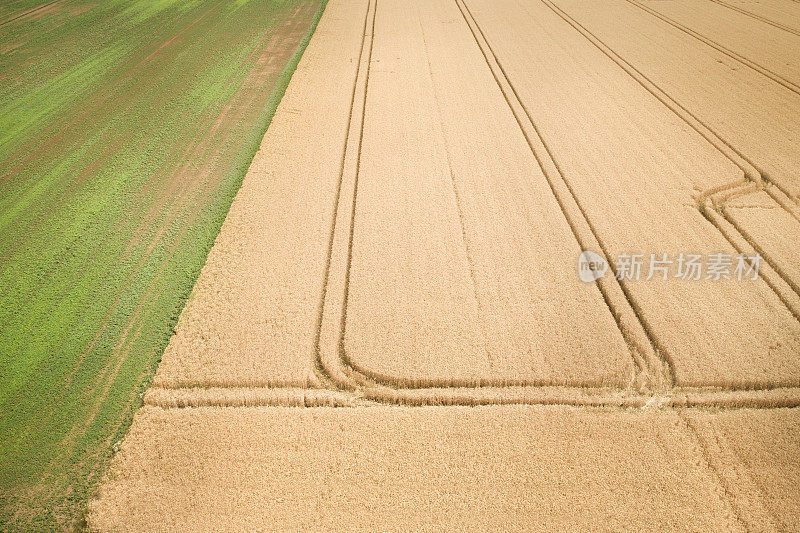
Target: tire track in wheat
{"type": "Point", "coordinates": [777, 78]}
{"type": "Point", "coordinates": [586, 234]}
{"type": "Point", "coordinates": [758, 17]}
{"type": "Point", "coordinates": [322, 370]}
{"type": "Point", "coordinates": [751, 171]}
{"type": "Point", "coordinates": [339, 376]}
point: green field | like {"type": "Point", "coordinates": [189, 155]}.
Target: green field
{"type": "Point", "coordinates": [126, 127]}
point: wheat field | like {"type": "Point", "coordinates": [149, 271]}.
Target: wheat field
{"type": "Point", "coordinates": [390, 332]}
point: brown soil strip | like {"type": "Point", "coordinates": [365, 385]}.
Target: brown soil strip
{"type": "Point", "coordinates": [29, 12]}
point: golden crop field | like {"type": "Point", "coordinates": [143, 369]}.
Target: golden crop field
{"type": "Point", "coordinates": [498, 265]}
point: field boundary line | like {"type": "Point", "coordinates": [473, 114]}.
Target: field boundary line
{"type": "Point", "coordinates": [249, 397]}
{"type": "Point", "coordinates": [678, 398]}
{"type": "Point", "coordinates": [232, 383]}
{"type": "Point", "coordinates": [786, 397]}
